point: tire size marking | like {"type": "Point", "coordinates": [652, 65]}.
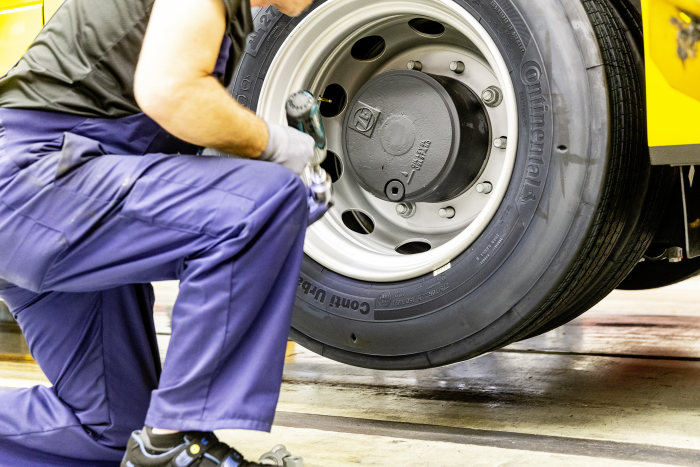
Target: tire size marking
{"type": "Point", "coordinates": [401, 304]}
{"type": "Point", "coordinates": [508, 23]}
{"type": "Point", "coordinates": [490, 249]}
{"type": "Point", "coordinates": [433, 292]}
{"type": "Point", "coordinates": [531, 75]}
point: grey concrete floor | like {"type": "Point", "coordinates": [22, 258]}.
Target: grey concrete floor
{"type": "Point", "coordinates": [618, 386]}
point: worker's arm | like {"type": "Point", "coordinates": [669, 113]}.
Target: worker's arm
{"type": "Point", "coordinates": [288, 7]}
{"type": "Point", "coordinates": [174, 84]}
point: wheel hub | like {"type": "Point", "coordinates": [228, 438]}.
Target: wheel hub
{"type": "Point", "coordinates": [412, 136]}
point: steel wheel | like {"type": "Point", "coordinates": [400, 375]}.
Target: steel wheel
{"type": "Point", "coordinates": [364, 236]}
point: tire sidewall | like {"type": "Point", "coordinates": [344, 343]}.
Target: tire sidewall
{"type": "Point", "coordinates": [490, 290]}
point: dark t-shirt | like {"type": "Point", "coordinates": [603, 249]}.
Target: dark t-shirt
{"type": "Point", "coordinates": [84, 59]}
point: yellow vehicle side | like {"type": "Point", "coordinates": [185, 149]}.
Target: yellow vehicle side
{"type": "Point", "coordinates": [20, 21]}
{"type": "Point", "coordinates": [50, 7]}
{"type": "Point", "coordinates": [673, 79]}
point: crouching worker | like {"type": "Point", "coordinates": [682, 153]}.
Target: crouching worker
{"type": "Point", "coordinates": [101, 192]}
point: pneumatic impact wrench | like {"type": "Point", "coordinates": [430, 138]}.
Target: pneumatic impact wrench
{"type": "Point", "coordinates": [304, 114]}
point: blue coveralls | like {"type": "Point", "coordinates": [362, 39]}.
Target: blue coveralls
{"type": "Point", "coordinates": [92, 211]}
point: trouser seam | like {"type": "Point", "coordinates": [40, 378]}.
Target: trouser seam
{"type": "Point", "coordinates": [220, 359]}
{"type": "Point", "coordinates": [104, 366]}
{"type": "Point", "coordinates": [40, 431]}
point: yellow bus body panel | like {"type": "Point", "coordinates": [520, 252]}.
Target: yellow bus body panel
{"type": "Point", "coordinates": [50, 7]}
{"type": "Point", "coordinates": [20, 22]}
{"type": "Point", "coordinates": [673, 83]}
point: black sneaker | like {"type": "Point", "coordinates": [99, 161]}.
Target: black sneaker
{"type": "Point", "coordinates": [200, 449]}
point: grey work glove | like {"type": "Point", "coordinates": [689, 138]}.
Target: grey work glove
{"type": "Point", "coordinates": [288, 147]}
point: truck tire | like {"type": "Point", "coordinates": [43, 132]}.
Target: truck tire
{"type": "Point", "coordinates": [653, 193]}
{"type": "Point", "coordinates": [473, 258]}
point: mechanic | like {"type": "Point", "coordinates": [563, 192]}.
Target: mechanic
{"type": "Point", "coordinates": [102, 192]}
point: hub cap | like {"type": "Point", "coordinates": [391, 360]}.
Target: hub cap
{"type": "Point", "coordinates": [407, 139]}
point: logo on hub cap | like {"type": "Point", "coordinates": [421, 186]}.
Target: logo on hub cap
{"type": "Point", "coordinates": [365, 119]}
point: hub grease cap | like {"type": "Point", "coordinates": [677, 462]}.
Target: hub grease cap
{"type": "Point", "coordinates": [402, 129]}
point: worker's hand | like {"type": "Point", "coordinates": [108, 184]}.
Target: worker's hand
{"type": "Point", "coordinates": [288, 147]}
{"type": "Point", "coordinates": [316, 209]}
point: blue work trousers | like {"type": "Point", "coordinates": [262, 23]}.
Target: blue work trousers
{"type": "Point", "coordinates": [92, 211]}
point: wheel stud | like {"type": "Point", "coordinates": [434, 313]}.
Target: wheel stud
{"type": "Point", "coordinates": [484, 188]}
{"type": "Point", "coordinates": [414, 65]}
{"type": "Point", "coordinates": [458, 67]}
{"type": "Point", "coordinates": [406, 209]}
{"type": "Point", "coordinates": [447, 213]}
{"type": "Point", "coordinates": [501, 142]}
{"type": "Point", "coordinates": [492, 96]}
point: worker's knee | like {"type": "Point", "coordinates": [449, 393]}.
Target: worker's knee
{"type": "Point", "coordinates": [298, 201]}
{"type": "Point", "coordinates": [108, 413]}
{"type": "Point", "coordinates": [261, 194]}
{"type": "Point", "coordinates": [285, 186]}
{"type": "Point", "coordinates": [114, 433]}
{"type": "Point", "coordinates": [279, 177]}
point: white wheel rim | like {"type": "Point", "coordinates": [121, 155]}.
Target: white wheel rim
{"type": "Point", "coordinates": [313, 55]}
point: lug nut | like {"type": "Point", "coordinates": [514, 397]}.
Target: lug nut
{"type": "Point", "coordinates": [447, 213]}
{"type": "Point", "coordinates": [492, 96]}
{"type": "Point", "coordinates": [406, 209]}
{"type": "Point", "coordinates": [457, 67]}
{"type": "Point", "coordinates": [414, 65]}
{"type": "Point", "coordinates": [501, 142]}
{"type": "Point", "coordinates": [484, 188]}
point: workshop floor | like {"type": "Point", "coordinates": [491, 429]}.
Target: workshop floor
{"type": "Point", "coordinates": [618, 386]}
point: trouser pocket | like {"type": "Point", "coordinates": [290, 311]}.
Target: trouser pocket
{"type": "Point", "coordinates": [28, 249]}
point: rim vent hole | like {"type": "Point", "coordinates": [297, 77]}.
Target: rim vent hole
{"type": "Point", "coordinates": [562, 148]}
{"type": "Point", "coordinates": [333, 166]}
{"type": "Point", "coordinates": [413, 248]}
{"type": "Point", "coordinates": [368, 48]}
{"type": "Point", "coordinates": [427, 27]}
{"type": "Point", "coordinates": [337, 96]}
{"type": "Point", "coordinates": [358, 222]}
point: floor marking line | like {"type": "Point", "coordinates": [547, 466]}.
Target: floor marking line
{"type": "Point", "coordinates": [601, 354]}
{"type": "Point", "coordinates": [499, 439]}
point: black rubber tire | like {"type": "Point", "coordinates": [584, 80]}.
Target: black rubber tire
{"type": "Point", "coordinates": [625, 59]}
{"type": "Point", "coordinates": [562, 218]}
